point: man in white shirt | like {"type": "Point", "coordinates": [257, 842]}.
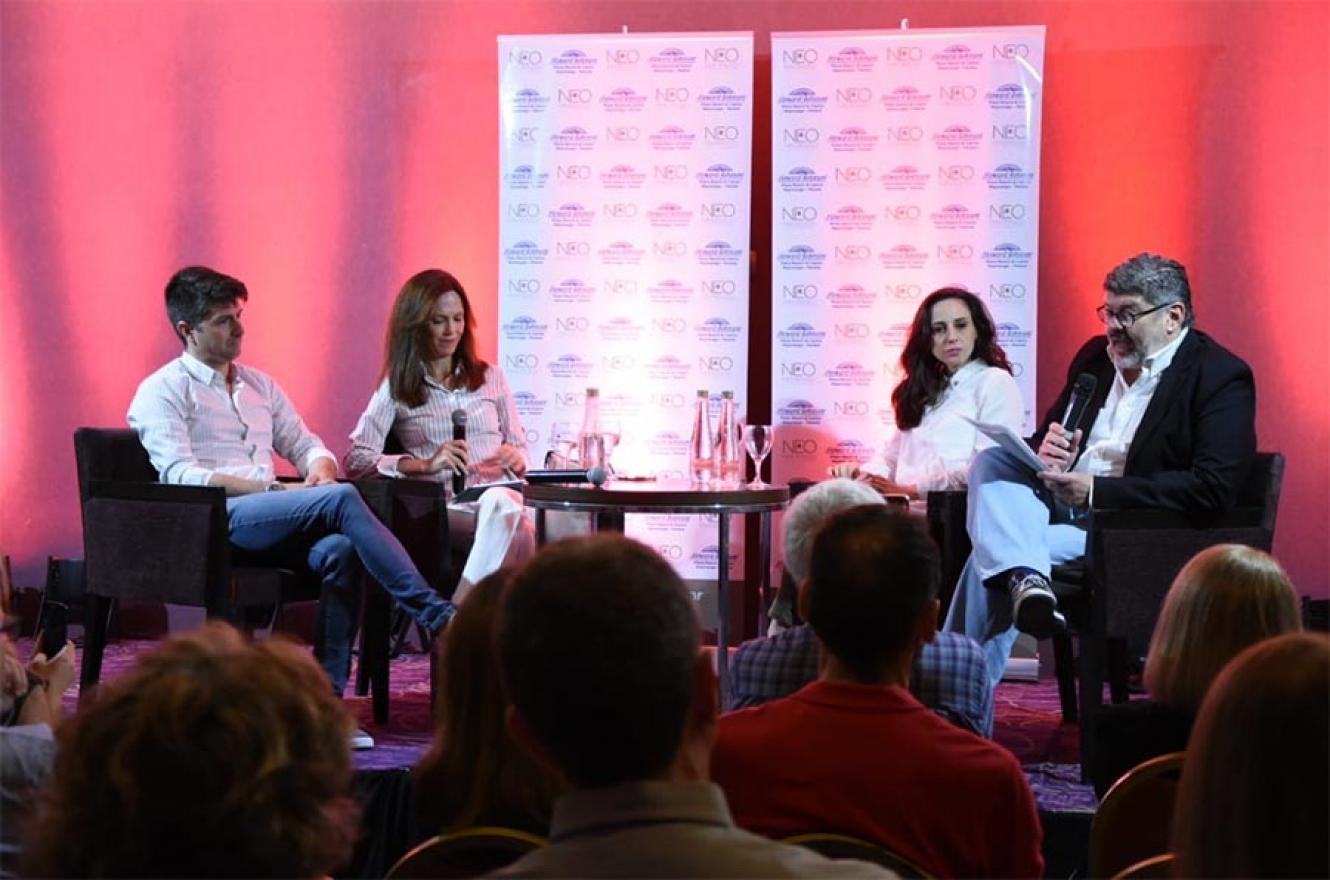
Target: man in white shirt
{"type": "Point", "coordinates": [1171, 425]}
{"type": "Point", "coordinates": [206, 420]}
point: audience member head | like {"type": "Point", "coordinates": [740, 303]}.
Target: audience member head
{"type": "Point", "coordinates": [213, 757]}
{"type": "Point", "coordinates": [195, 291]}
{"type": "Point", "coordinates": [871, 591]}
{"type": "Point", "coordinates": [419, 332]}
{"type": "Point", "coordinates": [1255, 788]}
{"type": "Point", "coordinates": [1226, 598]}
{"type": "Point", "coordinates": [808, 512]}
{"type": "Point", "coordinates": [927, 363]}
{"type": "Point", "coordinates": [599, 648]}
{"type": "Point", "coordinates": [474, 774]}
{"type": "Point", "coordinates": [1156, 280]}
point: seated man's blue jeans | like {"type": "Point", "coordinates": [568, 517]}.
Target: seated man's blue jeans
{"type": "Point", "coordinates": [1014, 522]}
{"type": "Point", "coordinates": [330, 530]}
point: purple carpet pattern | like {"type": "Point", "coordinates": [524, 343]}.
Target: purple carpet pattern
{"type": "Point", "coordinates": [1028, 722]}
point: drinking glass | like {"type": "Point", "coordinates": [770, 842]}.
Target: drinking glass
{"type": "Point", "coordinates": [758, 440]}
{"type": "Point", "coordinates": [563, 445]}
{"type": "Point", "coordinates": [612, 432]}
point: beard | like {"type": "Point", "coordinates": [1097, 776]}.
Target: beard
{"type": "Point", "coordinates": [1129, 360]}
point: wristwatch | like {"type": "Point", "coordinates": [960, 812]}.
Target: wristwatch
{"type": "Point", "coordinates": [274, 486]}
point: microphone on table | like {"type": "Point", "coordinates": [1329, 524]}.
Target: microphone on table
{"type": "Point", "coordinates": [596, 476]}
{"type": "Point", "coordinates": [459, 433]}
{"type": "Point", "coordinates": [1078, 404]}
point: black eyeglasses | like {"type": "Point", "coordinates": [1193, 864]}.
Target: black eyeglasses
{"type": "Point", "coordinates": [1126, 317]}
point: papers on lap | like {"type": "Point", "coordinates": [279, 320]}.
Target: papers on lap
{"type": "Point", "coordinates": [1011, 441]}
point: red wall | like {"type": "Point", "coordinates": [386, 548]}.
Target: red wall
{"type": "Point", "coordinates": [324, 151]}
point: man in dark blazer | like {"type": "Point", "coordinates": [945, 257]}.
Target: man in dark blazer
{"type": "Point", "coordinates": [1170, 425]}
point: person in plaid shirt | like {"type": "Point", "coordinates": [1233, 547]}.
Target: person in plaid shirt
{"type": "Point", "coordinates": [949, 675]}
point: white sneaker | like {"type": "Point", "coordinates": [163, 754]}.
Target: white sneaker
{"type": "Point", "coordinates": [1034, 607]}
{"type": "Point", "coordinates": [360, 740]}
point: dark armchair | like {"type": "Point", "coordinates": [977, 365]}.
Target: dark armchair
{"type": "Point", "coordinates": [149, 542]}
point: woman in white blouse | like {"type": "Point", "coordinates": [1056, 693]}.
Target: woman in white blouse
{"type": "Point", "coordinates": [431, 370]}
{"type": "Point", "coordinates": [954, 370]}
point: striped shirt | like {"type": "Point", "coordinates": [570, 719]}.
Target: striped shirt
{"type": "Point", "coordinates": [192, 427]}
{"type": "Point", "coordinates": [491, 421]}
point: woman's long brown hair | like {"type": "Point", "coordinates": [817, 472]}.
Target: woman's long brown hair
{"type": "Point", "coordinates": [407, 344]}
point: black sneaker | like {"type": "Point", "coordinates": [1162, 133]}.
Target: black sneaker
{"type": "Point", "coordinates": [1034, 606]}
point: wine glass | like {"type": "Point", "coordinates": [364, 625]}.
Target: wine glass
{"type": "Point", "coordinates": [612, 432]}
{"type": "Point", "coordinates": [758, 440]}
{"type": "Point", "coordinates": [563, 445]}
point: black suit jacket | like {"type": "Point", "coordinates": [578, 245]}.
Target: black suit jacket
{"type": "Point", "coordinates": [1196, 439]}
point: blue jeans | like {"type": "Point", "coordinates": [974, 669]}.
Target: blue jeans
{"type": "Point", "coordinates": [330, 530]}
{"type": "Point", "coordinates": [1014, 522]}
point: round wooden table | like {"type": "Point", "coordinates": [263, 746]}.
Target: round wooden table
{"type": "Point", "coordinates": [609, 503]}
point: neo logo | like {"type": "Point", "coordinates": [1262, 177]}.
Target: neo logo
{"type": "Point", "coordinates": [672, 95]}
{"type": "Point", "coordinates": [1006, 291]}
{"type": "Point", "coordinates": [799, 446]}
{"type": "Point", "coordinates": [668, 400]}
{"type": "Point", "coordinates": [525, 134]}
{"type": "Point", "coordinates": [1011, 132]}
{"type": "Point", "coordinates": [854, 96]}
{"type": "Point", "coordinates": [524, 211]}
{"type": "Point", "coordinates": [520, 361]}
{"type": "Point", "coordinates": [1006, 212]}
{"type": "Point", "coordinates": [798, 57]}
{"type": "Point", "coordinates": [573, 324]}
{"type": "Point", "coordinates": [852, 331]}
{"type": "Point", "coordinates": [620, 210]}
{"type": "Point", "coordinates": [721, 55]}
{"type": "Point", "coordinates": [853, 253]}
{"type": "Point", "coordinates": [670, 551]}
{"type": "Point", "coordinates": [622, 57]}
{"type": "Point", "coordinates": [719, 288]}
{"type": "Point", "coordinates": [955, 173]}
{"type": "Point", "coordinates": [851, 408]}
{"type": "Point", "coordinates": [621, 286]}
{"type": "Point", "coordinates": [572, 248]}
{"type": "Point", "coordinates": [955, 253]}
{"type": "Point", "coordinates": [673, 248]}
{"type": "Point", "coordinates": [902, 213]}
{"type": "Point", "coordinates": [715, 363]}
{"type": "Point", "coordinates": [799, 214]}
{"type": "Point", "coordinates": [798, 369]}
{"type": "Point", "coordinates": [903, 54]}
{"type": "Point", "coordinates": [524, 286]}
{"type": "Point", "coordinates": [622, 134]}
{"type": "Point", "coordinates": [571, 97]}
{"type": "Point", "coordinates": [905, 134]}
{"type": "Point", "coordinates": [1011, 51]}
{"type": "Point", "coordinates": [619, 363]}
{"type": "Point", "coordinates": [525, 57]}
{"type": "Point", "coordinates": [719, 210]}
{"type": "Point", "coordinates": [569, 399]}
{"type": "Point", "coordinates": [573, 172]}
{"type": "Point", "coordinates": [718, 134]}
{"type": "Point", "coordinates": [957, 94]}
{"type": "Point", "coordinates": [801, 135]}
{"type": "Point", "coordinates": [671, 326]}
{"type": "Point", "coordinates": [670, 172]}
{"type": "Point", "coordinates": [799, 292]}
{"type": "Point", "coordinates": [854, 174]}
{"type": "Point", "coordinates": [904, 291]}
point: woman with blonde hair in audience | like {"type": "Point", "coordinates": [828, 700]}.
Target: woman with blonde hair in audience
{"type": "Point", "coordinates": [1226, 598]}
{"type": "Point", "coordinates": [213, 757]}
{"type": "Point", "coordinates": [474, 774]}
{"type": "Point", "coordinates": [1255, 794]}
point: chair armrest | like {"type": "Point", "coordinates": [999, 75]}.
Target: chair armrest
{"type": "Point", "coordinates": [133, 490]}
{"type": "Point", "coordinates": [416, 512]}
{"type": "Point", "coordinates": [1119, 519]}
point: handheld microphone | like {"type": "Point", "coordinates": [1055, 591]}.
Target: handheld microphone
{"type": "Point", "coordinates": [459, 433]}
{"type": "Point", "coordinates": [596, 476]}
{"type": "Point", "coordinates": [1079, 402]}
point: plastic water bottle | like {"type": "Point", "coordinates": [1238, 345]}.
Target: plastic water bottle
{"type": "Point", "coordinates": [729, 455]}
{"type": "Point", "coordinates": [701, 448]}
{"type": "Point", "coordinates": [590, 440]}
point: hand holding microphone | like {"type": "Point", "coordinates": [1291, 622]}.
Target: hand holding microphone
{"type": "Point", "coordinates": [1062, 440]}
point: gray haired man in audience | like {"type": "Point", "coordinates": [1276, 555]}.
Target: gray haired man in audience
{"type": "Point", "coordinates": [948, 676]}
{"type": "Point", "coordinates": [599, 649]}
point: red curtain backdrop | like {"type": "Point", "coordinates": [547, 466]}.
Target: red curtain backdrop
{"type": "Point", "coordinates": [322, 152]}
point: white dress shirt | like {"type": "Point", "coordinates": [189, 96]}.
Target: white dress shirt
{"type": "Point", "coordinates": [936, 454]}
{"type": "Point", "coordinates": [1114, 428]}
{"type": "Point", "coordinates": [491, 421]}
{"type": "Point", "coordinates": [192, 427]}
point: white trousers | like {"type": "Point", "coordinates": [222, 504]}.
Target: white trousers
{"type": "Point", "coordinates": [500, 533]}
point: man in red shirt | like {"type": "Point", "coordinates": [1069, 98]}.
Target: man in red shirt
{"type": "Point", "coordinates": [854, 752]}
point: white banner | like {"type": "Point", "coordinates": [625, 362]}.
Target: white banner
{"type": "Point", "coordinates": [902, 162]}
{"type": "Point", "coordinates": [624, 227]}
